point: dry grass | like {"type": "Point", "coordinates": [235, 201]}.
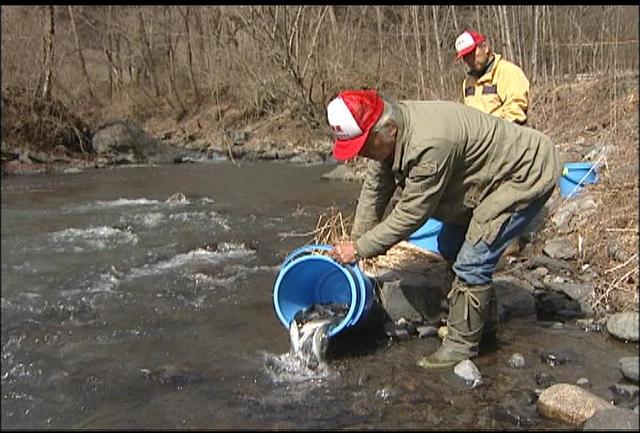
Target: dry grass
{"type": "Point", "coordinates": [333, 227]}
{"type": "Point", "coordinates": [32, 122]}
{"type": "Point", "coordinates": [607, 240]}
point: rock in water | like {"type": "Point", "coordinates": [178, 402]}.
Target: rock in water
{"type": "Point", "coordinates": [570, 403]}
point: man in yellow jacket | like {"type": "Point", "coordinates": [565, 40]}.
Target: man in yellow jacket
{"type": "Point", "coordinates": [492, 85]}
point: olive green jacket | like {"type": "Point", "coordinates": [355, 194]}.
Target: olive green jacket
{"type": "Point", "coordinates": [457, 164]}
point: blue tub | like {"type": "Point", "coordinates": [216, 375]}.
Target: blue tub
{"type": "Point", "coordinates": [306, 278]}
{"type": "Point", "coordinates": [574, 176]}
{"type": "Point", "coordinates": [427, 236]}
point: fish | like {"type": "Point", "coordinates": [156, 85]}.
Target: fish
{"type": "Point", "coordinates": [309, 332]}
{"type": "Point", "coordinates": [320, 342]}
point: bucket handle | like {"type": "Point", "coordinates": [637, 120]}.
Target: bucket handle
{"type": "Point", "coordinates": [305, 250]}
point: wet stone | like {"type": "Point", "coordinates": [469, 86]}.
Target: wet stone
{"type": "Point", "coordinates": [515, 297]}
{"type": "Point", "coordinates": [630, 367]}
{"type": "Point", "coordinates": [624, 326]}
{"type": "Point", "coordinates": [567, 314]}
{"type": "Point", "coordinates": [513, 416]}
{"type": "Point", "coordinates": [544, 379]}
{"type": "Point", "coordinates": [467, 371]}
{"type": "Point", "coordinates": [624, 391]}
{"type": "Point", "coordinates": [516, 361]}
{"type": "Point", "coordinates": [386, 394]}
{"type": "Point", "coordinates": [427, 331]}
{"type": "Point", "coordinates": [612, 419]}
{"type": "Point", "coordinates": [589, 325]}
{"type": "Point", "coordinates": [394, 331]}
{"type": "Point", "coordinates": [576, 291]}
{"type": "Point", "coordinates": [583, 382]}
{"type": "Point", "coordinates": [558, 357]}
{"type": "Point", "coordinates": [570, 403]}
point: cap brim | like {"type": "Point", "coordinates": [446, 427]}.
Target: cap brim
{"type": "Point", "coordinates": [347, 149]}
{"type": "Point", "coordinates": [466, 51]}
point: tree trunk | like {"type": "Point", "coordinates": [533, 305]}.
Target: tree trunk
{"type": "Point", "coordinates": [48, 52]}
{"type": "Point", "coordinates": [455, 19]}
{"type": "Point", "coordinates": [507, 32]}
{"type": "Point", "coordinates": [147, 56]}
{"type": "Point", "coordinates": [171, 70]}
{"type": "Point", "coordinates": [534, 54]}
{"type": "Point", "coordinates": [380, 43]}
{"type": "Point", "coordinates": [438, 45]}
{"type": "Point", "coordinates": [416, 30]}
{"type": "Point", "coordinates": [79, 49]}
{"type": "Point", "coordinates": [334, 27]}
{"type": "Point", "coordinates": [192, 78]}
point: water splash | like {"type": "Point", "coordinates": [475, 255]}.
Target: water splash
{"type": "Point", "coordinates": [93, 238]}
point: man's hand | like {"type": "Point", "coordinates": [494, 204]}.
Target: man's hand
{"type": "Point", "coordinates": [344, 252]}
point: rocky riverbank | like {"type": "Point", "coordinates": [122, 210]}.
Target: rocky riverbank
{"type": "Point", "coordinates": [578, 268]}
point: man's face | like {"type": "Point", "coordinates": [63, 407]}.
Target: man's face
{"type": "Point", "coordinates": [380, 145]}
{"type": "Point", "coordinates": [477, 59]}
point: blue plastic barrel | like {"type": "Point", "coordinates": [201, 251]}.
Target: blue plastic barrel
{"type": "Point", "coordinates": [306, 278]}
{"type": "Point", "coordinates": [427, 236]}
{"type": "Point", "coordinates": [574, 176]}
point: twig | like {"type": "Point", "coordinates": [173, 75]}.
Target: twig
{"type": "Point", "coordinates": [294, 235]}
{"type": "Point", "coordinates": [621, 265]}
{"type": "Point", "coordinates": [612, 285]}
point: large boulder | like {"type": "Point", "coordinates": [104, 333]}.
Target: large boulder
{"type": "Point", "coordinates": [411, 296]}
{"type": "Point", "coordinates": [122, 142]}
{"type": "Point", "coordinates": [515, 297]}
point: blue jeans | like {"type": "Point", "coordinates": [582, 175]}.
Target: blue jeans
{"type": "Point", "coordinates": [475, 264]}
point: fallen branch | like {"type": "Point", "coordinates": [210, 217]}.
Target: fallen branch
{"type": "Point", "coordinates": [621, 265]}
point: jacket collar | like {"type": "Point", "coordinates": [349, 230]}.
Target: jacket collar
{"type": "Point", "coordinates": [401, 137]}
{"type": "Point", "coordinates": [487, 75]}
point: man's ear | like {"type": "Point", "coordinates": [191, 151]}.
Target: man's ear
{"type": "Point", "coordinates": [392, 129]}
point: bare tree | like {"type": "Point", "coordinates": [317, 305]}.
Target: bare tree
{"type": "Point", "coordinates": [534, 53]}
{"type": "Point", "coordinates": [49, 32]}
{"type": "Point", "coordinates": [416, 29]}
{"type": "Point", "coordinates": [147, 55]}
{"type": "Point", "coordinates": [83, 65]}
{"type": "Point", "coordinates": [436, 33]}
{"type": "Point", "coordinates": [186, 13]}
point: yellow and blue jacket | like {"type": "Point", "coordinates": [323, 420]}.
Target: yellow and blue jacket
{"type": "Point", "coordinates": [503, 91]}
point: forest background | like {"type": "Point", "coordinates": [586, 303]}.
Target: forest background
{"type": "Point", "coordinates": [202, 71]}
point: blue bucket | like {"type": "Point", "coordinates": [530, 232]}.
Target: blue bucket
{"type": "Point", "coordinates": [427, 236]}
{"type": "Point", "coordinates": [306, 279]}
{"type": "Point", "coordinates": [574, 176]}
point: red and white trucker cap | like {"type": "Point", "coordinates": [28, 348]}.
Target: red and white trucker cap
{"type": "Point", "coordinates": [467, 42]}
{"type": "Point", "coordinates": [351, 116]}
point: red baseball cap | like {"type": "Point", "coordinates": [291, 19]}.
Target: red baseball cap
{"type": "Point", "coordinates": [467, 42]}
{"type": "Point", "coordinates": [351, 116]}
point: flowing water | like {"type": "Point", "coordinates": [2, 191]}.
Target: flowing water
{"type": "Point", "coordinates": [141, 297]}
